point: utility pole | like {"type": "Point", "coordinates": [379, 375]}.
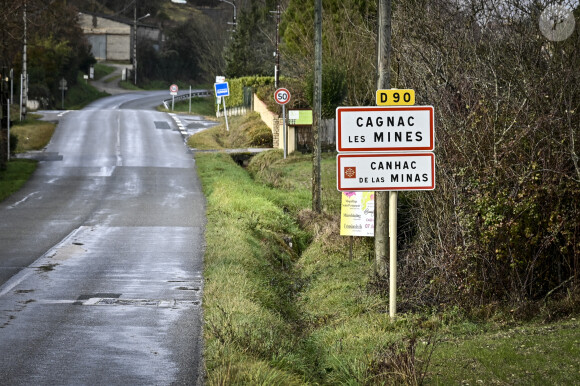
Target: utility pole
{"type": "Point", "coordinates": [383, 82]}
{"type": "Point", "coordinates": [277, 53]}
{"type": "Point", "coordinates": [235, 22]}
{"type": "Point", "coordinates": [317, 116]}
{"type": "Point", "coordinates": [24, 78]}
{"type": "Point", "coordinates": [135, 42]}
{"type": "Point", "coordinates": [135, 20]}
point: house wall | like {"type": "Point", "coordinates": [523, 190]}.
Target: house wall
{"type": "Point", "coordinates": [267, 116]}
{"type": "Point", "coordinates": [118, 47]}
{"type": "Point", "coordinates": [117, 36]}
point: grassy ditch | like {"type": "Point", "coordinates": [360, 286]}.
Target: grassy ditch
{"type": "Point", "coordinates": [245, 131]}
{"type": "Point", "coordinates": [285, 304]}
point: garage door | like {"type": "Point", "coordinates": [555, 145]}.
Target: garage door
{"type": "Point", "coordinates": [98, 46]}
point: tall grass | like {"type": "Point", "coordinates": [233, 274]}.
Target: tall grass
{"type": "Point", "coordinates": [32, 134]}
{"type": "Point", "coordinates": [250, 318]}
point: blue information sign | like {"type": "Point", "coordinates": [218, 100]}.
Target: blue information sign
{"type": "Point", "coordinates": [222, 89]}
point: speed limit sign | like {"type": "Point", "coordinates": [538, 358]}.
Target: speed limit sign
{"type": "Point", "coordinates": [282, 96]}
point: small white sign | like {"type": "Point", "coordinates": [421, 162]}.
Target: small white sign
{"type": "Point", "coordinates": [388, 171]}
{"type": "Point", "coordinates": [173, 89]}
{"type": "Point", "coordinates": [383, 129]}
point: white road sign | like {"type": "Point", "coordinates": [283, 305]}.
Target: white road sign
{"type": "Point", "coordinates": [384, 129]}
{"type": "Point", "coordinates": [388, 171]}
{"type": "Point", "coordinates": [173, 89]}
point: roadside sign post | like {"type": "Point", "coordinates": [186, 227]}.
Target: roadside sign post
{"type": "Point", "coordinates": [8, 126]}
{"type": "Point", "coordinates": [222, 90]}
{"type": "Point", "coordinates": [173, 89]}
{"type": "Point", "coordinates": [282, 96]}
{"type": "Point", "coordinates": [388, 148]}
{"type": "Point", "coordinates": [63, 87]}
{"type": "Point", "coordinates": [11, 86]}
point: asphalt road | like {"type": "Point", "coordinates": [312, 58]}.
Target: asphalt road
{"type": "Point", "coordinates": [101, 254]}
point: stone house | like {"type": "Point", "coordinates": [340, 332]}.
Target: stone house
{"type": "Point", "coordinates": [111, 38]}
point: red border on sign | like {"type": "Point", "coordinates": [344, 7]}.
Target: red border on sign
{"type": "Point", "coordinates": [340, 147]}
{"type": "Point", "coordinates": [276, 96]}
{"type": "Point", "coordinates": [368, 155]}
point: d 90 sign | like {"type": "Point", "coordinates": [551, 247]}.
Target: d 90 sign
{"type": "Point", "coordinates": [395, 97]}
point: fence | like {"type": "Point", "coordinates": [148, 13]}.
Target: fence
{"type": "Point", "coordinates": [184, 97]}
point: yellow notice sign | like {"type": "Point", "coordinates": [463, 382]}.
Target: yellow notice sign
{"type": "Point", "coordinates": [357, 216]}
{"type": "Point", "coordinates": [395, 97]}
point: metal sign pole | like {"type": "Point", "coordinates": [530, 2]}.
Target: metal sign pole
{"type": "Point", "coordinates": [284, 129]}
{"type": "Point", "coordinates": [11, 85]}
{"type": "Point", "coordinates": [190, 99]}
{"type": "Point", "coordinates": [21, 87]}
{"type": "Point", "coordinates": [226, 114]}
{"type": "Point", "coordinates": [392, 253]}
{"type": "Point", "coordinates": [172, 102]}
{"type": "Point", "coordinates": [8, 108]}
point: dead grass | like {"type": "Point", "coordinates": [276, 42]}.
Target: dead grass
{"type": "Point", "coordinates": [33, 134]}
{"type": "Point", "coordinates": [244, 131]}
{"type": "Point", "coordinates": [324, 227]}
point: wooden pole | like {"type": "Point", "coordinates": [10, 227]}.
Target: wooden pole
{"type": "Point", "coordinates": [383, 82]}
{"type": "Point", "coordinates": [317, 116]}
{"type": "Point", "coordinates": [24, 92]}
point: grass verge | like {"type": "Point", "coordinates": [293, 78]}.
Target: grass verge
{"type": "Point", "coordinates": [17, 172]}
{"type": "Point", "coordinates": [32, 133]}
{"type": "Point", "coordinates": [102, 70]}
{"type": "Point", "coordinates": [199, 106]}
{"type": "Point", "coordinates": [284, 303]}
{"type": "Point", "coordinates": [81, 95]}
{"type": "Point", "coordinates": [252, 244]}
